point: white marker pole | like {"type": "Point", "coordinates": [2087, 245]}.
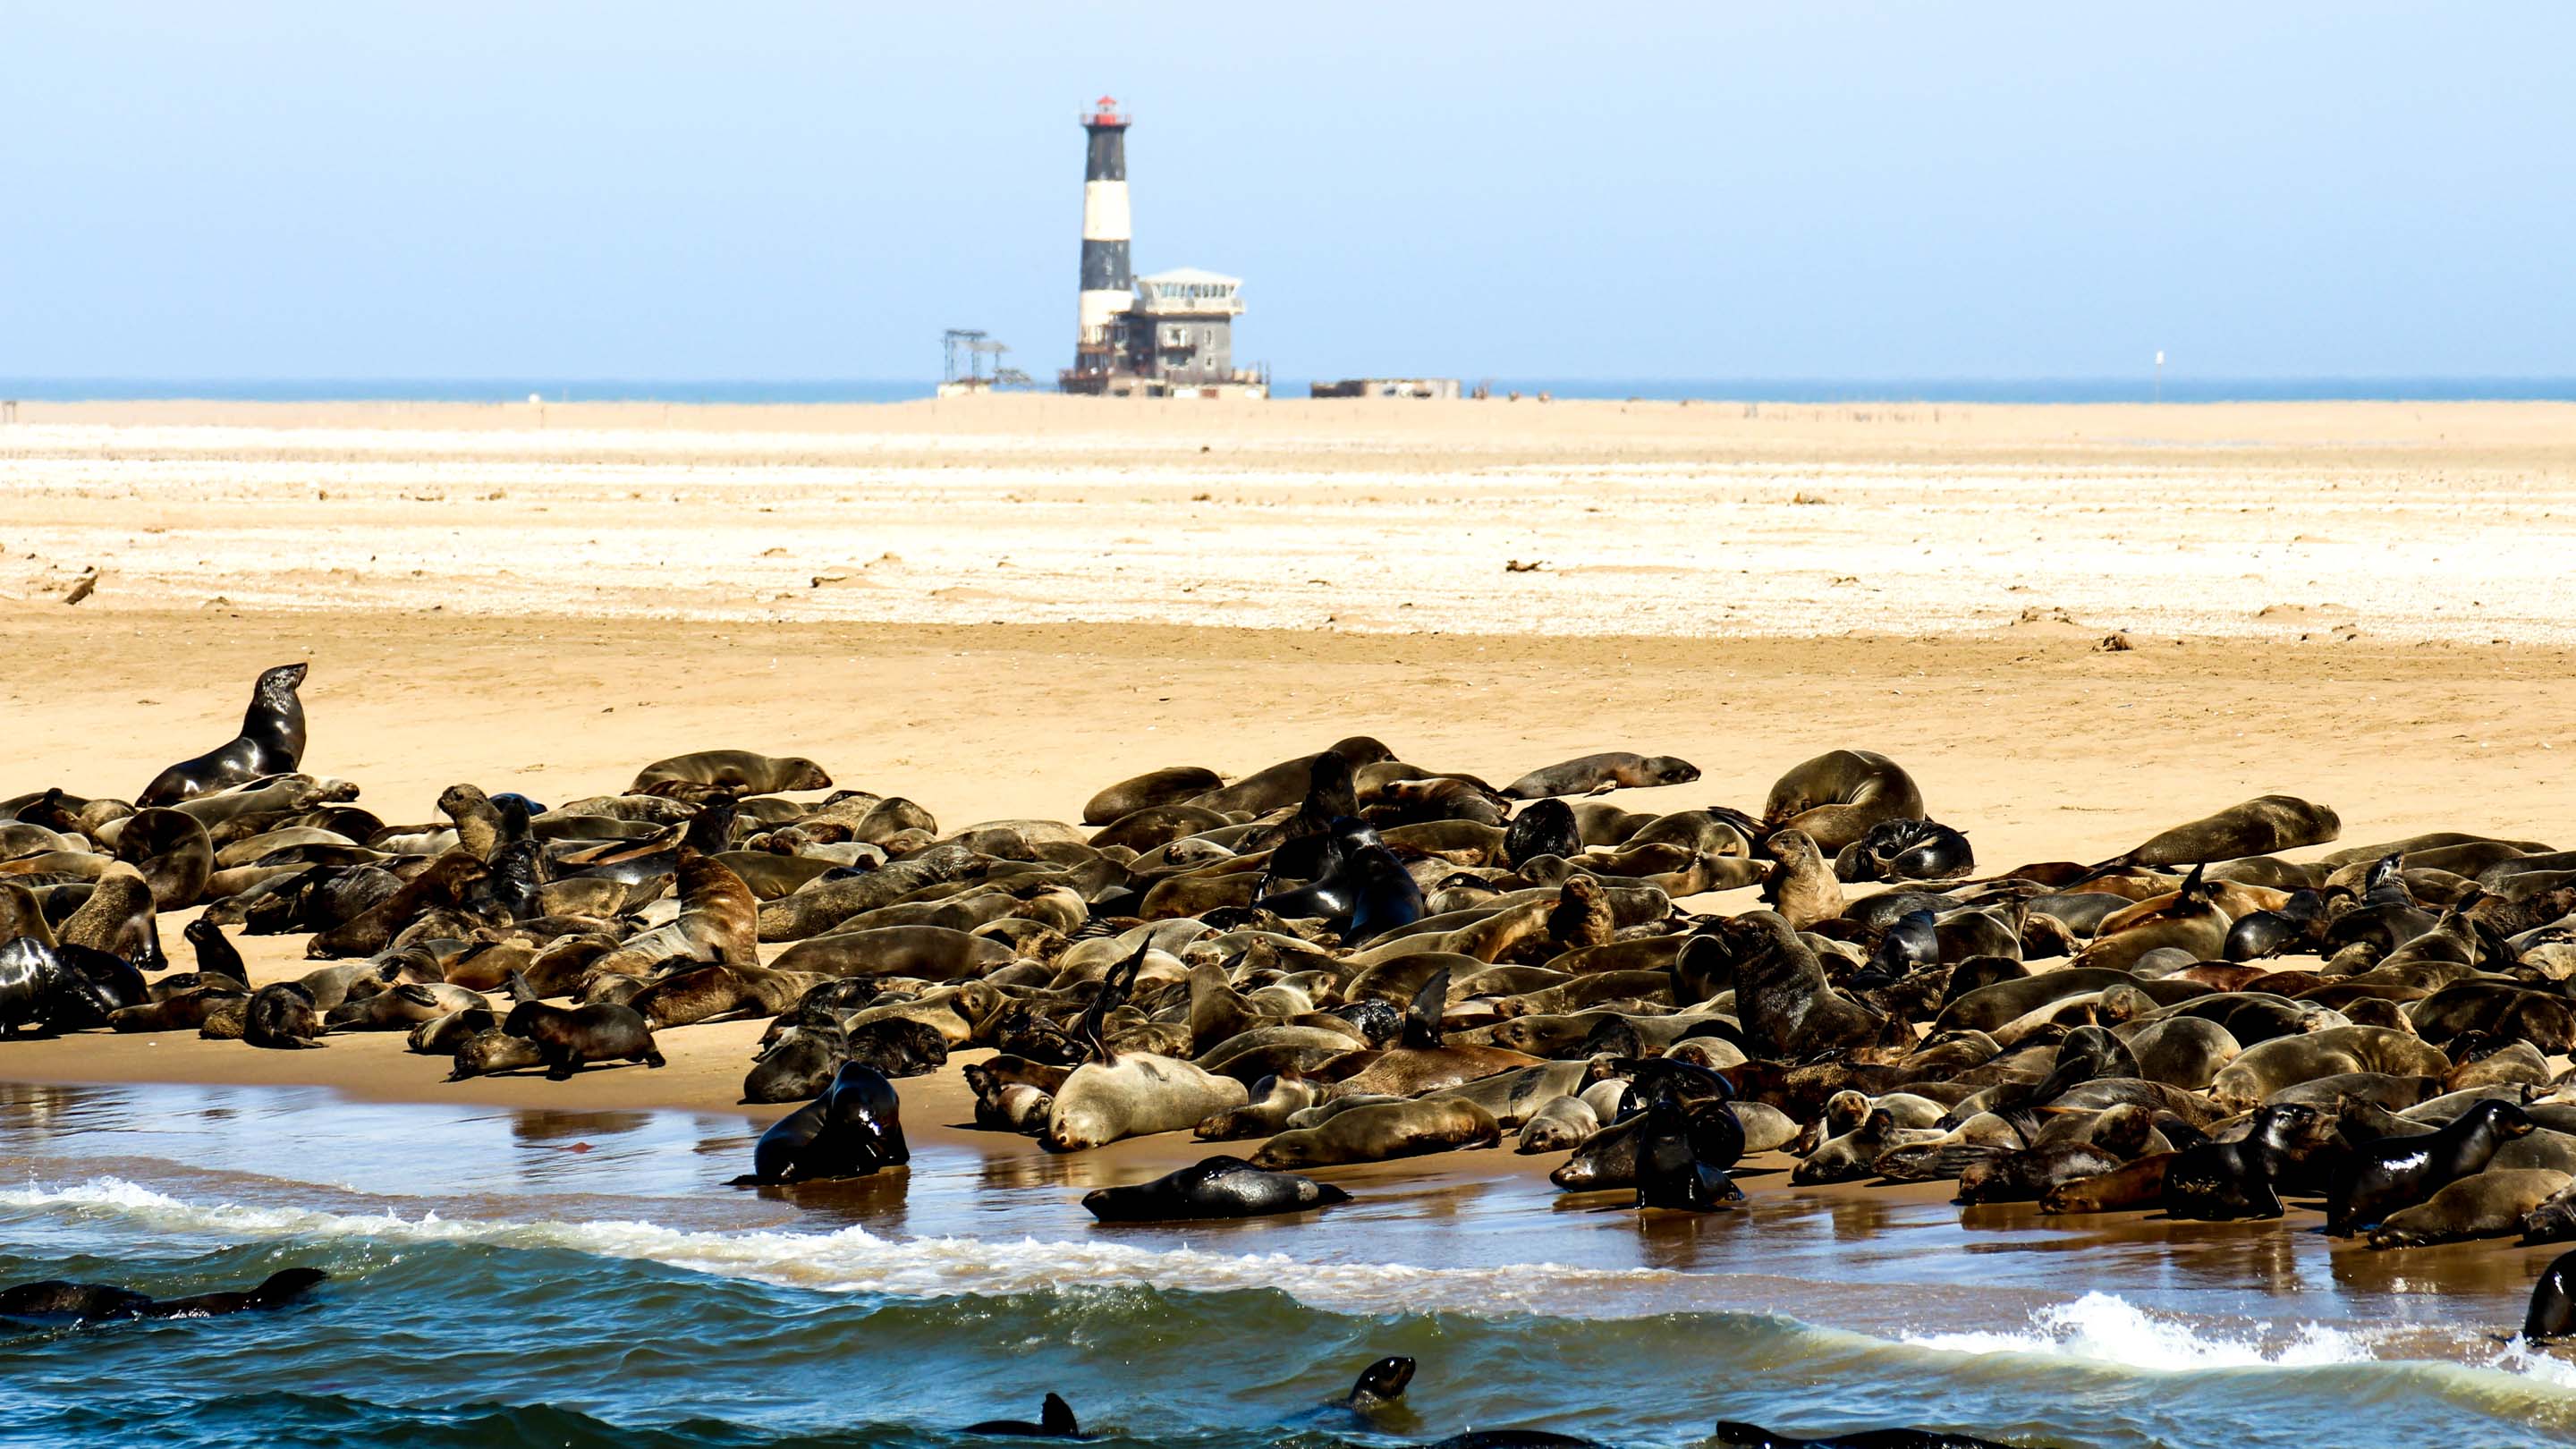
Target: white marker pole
{"type": "Point", "coordinates": [2160, 375]}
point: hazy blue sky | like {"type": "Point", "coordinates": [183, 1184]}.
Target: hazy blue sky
{"type": "Point", "coordinates": [650, 190]}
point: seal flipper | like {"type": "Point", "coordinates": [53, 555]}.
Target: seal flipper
{"type": "Point", "coordinates": [1089, 1031]}
{"type": "Point", "coordinates": [2193, 895]}
{"type": "Point", "coordinates": [1055, 1421]}
{"type": "Point", "coordinates": [1422, 1016]}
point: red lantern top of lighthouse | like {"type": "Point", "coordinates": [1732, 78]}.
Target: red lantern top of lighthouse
{"type": "Point", "coordinates": [1104, 114]}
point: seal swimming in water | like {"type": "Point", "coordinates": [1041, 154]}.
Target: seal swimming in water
{"type": "Point", "coordinates": [1753, 1436]}
{"type": "Point", "coordinates": [1379, 1386]}
{"type": "Point", "coordinates": [853, 1129]}
{"type": "Point", "coordinates": [2553, 1301]}
{"type": "Point", "coordinates": [1219, 1187]}
{"type": "Point", "coordinates": [55, 1299]}
{"type": "Point", "coordinates": [1055, 1421]}
{"type": "Point", "coordinates": [271, 742]}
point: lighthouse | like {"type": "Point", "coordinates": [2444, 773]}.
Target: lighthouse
{"type": "Point", "coordinates": [1170, 334]}
{"type": "Point", "coordinates": [1108, 285]}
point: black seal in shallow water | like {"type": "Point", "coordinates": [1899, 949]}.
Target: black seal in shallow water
{"type": "Point", "coordinates": [1219, 1187]}
{"type": "Point", "coordinates": [853, 1129]}
{"type": "Point", "coordinates": [98, 1302]}
{"type": "Point", "coordinates": [2553, 1301]}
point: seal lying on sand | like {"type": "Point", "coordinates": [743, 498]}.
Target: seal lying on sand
{"type": "Point", "coordinates": [1593, 774]}
{"type": "Point", "coordinates": [1836, 797]}
{"type": "Point", "coordinates": [271, 742]}
{"type": "Point", "coordinates": [742, 770]}
{"type": "Point", "coordinates": [2398, 1173]}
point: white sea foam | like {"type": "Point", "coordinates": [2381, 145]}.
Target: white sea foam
{"type": "Point", "coordinates": [2099, 1329]}
{"type": "Point", "coordinates": [2108, 1329]}
{"type": "Point", "coordinates": [858, 1261]}
{"type": "Point", "coordinates": [2520, 1356]}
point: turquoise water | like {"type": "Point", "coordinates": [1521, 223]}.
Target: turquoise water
{"type": "Point", "coordinates": [580, 1279]}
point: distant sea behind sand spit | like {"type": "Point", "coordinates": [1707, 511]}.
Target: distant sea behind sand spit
{"type": "Point", "coordinates": [1733, 389]}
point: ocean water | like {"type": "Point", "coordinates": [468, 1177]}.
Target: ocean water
{"type": "Point", "coordinates": [507, 1278]}
{"type": "Point", "coordinates": [2140, 388]}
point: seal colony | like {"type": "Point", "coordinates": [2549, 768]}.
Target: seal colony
{"type": "Point", "coordinates": [1346, 957]}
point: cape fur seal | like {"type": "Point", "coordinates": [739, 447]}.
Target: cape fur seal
{"type": "Point", "coordinates": [2264, 825]}
{"type": "Point", "coordinates": [2396, 1173]}
{"type": "Point", "coordinates": [1673, 1170]}
{"type": "Point", "coordinates": [853, 1129]}
{"type": "Point", "coordinates": [1753, 1436]}
{"type": "Point", "coordinates": [1055, 1421]}
{"type": "Point", "coordinates": [271, 742]}
{"type": "Point", "coordinates": [1135, 1094]}
{"type": "Point", "coordinates": [1595, 774]}
{"type": "Point", "coordinates": [100, 1302]}
{"type": "Point", "coordinates": [1836, 797]}
{"type": "Point", "coordinates": [1381, 1133]}
{"type": "Point", "coordinates": [1170, 785]}
{"type": "Point", "coordinates": [173, 852]}
{"type": "Point", "coordinates": [39, 989]}
{"type": "Point", "coordinates": [1218, 1187]}
{"type": "Point", "coordinates": [747, 771]}
{"type": "Point", "coordinates": [2553, 1301]}
{"type": "Point", "coordinates": [281, 1015]}
{"type": "Point", "coordinates": [568, 1039]}
{"type": "Point", "coordinates": [2489, 1204]}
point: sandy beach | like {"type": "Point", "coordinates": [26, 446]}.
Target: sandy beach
{"type": "Point", "coordinates": [2273, 522]}
{"type": "Point", "coordinates": [995, 611]}
{"type": "Point", "coordinates": [438, 656]}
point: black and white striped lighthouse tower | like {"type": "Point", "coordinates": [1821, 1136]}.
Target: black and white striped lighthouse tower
{"type": "Point", "coordinates": [1108, 286]}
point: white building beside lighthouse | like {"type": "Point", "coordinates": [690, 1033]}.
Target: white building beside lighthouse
{"type": "Point", "coordinates": [1170, 334]}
